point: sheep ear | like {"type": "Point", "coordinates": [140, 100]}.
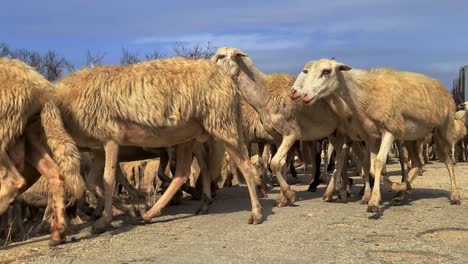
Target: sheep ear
{"type": "Point", "coordinates": [343, 67]}
{"type": "Point", "coordinates": [238, 53]}
{"type": "Point", "coordinates": [215, 57]}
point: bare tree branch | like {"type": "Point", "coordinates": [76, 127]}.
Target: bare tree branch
{"type": "Point", "coordinates": [128, 57]}
{"type": "Point", "coordinates": [153, 55]}
{"type": "Point", "coordinates": [94, 59]}
{"type": "Point", "coordinates": [195, 52]}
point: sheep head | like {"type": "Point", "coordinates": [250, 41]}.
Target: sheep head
{"type": "Point", "coordinates": [317, 80]}
{"type": "Point", "coordinates": [228, 58]}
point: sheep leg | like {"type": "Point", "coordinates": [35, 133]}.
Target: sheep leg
{"type": "Point", "coordinates": [96, 172]}
{"type": "Point", "coordinates": [292, 169]}
{"type": "Point", "coordinates": [183, 165]}
{"type": "Point", "coordinates": [17, 153]}
{"type": "Point", "coordinates": [134, 194]}
{"type": "Point", "coordinates": [38, 157]}
{"type": "Point", "coordinates": [463, 150]}
{"type": "Point", "coordinates": [401, 158]}
{"type": "Point", "coordinates": [347, 181]}
{"type": "Point", "coordinates": [385, 145]}
{"type": "Point", "coordinates": [264, 170]}
{"type": "Point", "coordinates": [366, 164]}
{"type": "Point", "coordinates": [441, 140]}
{"type": "Point", "coordinates": [111, 149]}
{"type": "Point", "coordinates": [314, 151]}
{"type": "Point", "coordinates": [413, 152]}
{"type": "Point", "coordinates": [239, 155]}
{"type": "Point", "coordinates": [201, 154]}
{"type": "Point", "coordinates": [286, 196]}
{"type": "Point", "coordinates": [338, 144]}
{"type": "Point", "coordinates": [327, 160]}
{"type": "Point", "coordinates": [453, 154]}
{"type": "Point", "coordinates": [266, 164]}
{"type": "Point", "coordinates": [11, 182]}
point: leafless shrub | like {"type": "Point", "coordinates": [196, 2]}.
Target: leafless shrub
{"type": "Point", "coordinates": [153, 55]}
{"type": "Point", "coordinates": [195, 52]}
{"type": "Point", "coordinates": [129, 57]}
{"type": "Point", "coordinates": [94, 59]}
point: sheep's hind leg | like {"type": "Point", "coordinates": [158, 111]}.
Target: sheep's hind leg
{"type": "Point", "coordinates": [183, 165]}
{"type": "Point", "coordinates": [441, 141]}
{"type": "Point", "coordinates": [241, 158]}
{"type": "Point", "coordinates": [286, 196]}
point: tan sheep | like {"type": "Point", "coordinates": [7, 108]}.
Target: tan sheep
{"type": "Point", "coordinates": [459, 134]}
{"type": "Point", "coordinates": [288, 122]}
{"type": "Point", "coordinates": [29, 115]}
{"type": "Point", "coordinates": [389, 105]}
{"type": "Point", "coordinates": [155, 104]}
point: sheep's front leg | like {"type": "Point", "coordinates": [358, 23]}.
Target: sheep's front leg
{"type": "Point", "coordinates": [111, 148]}
{"type": "Point", "coordinates": [337, 177]}
{"type": "Point", "coordinates": [286, 196]}
{"type": "Point", "coordinates": [385, 145]}
{"type": "Point", "coordinates": [38, 157]}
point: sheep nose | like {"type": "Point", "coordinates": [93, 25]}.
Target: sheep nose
{"type": "Point", "coordinates": [293, 93]}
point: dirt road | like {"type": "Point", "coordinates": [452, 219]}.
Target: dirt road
{"type": "Point", "coordinates": [425, 230]}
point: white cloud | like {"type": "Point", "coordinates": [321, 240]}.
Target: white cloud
{"type": "Point", "coordinates": [247, 41]}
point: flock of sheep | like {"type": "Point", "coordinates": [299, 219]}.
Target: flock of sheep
{"type": "Point", "coordinates": [204, 108]}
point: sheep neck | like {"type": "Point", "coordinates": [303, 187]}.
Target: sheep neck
{"type": "Point", "coordinates": [352, 89]}
{"type": "Point", "coordinates": [250, 86]}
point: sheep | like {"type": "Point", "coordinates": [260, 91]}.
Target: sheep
{"type": "Point", "coordinates": [158, 103]}
{"type": "Point", "coordinates": [388, 105]}
{"type": "Point", "coordinates": [460, 133]}
{"type": "Point", "coordinates": [288, 122]}
{"type": "Point", "coordinates": [255, 132]}
{"type": "Point", "coordinates": [30, 118]}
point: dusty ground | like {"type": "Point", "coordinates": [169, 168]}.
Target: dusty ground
{"type": "Point", "coordinates": [425, 230]}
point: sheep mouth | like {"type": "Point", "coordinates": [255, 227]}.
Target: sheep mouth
{"type": "Point", "coordinates": [295, 97]}
{"type": "Point", "coordinates": [306, 99]}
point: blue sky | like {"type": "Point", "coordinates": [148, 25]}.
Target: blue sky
{"type": "Point", "coordinates": [417, 35]}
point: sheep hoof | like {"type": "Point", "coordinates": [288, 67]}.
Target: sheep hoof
{"type": "Point", "coordinates": [100, 226]}
{"type": "Point", "coordinates": [291, 197]}
{"type": "Point", "coordinates": [255, 220]}
{"type": "Point", "coordinates": [343, 195]}
{"type": "Point", "coordinates": [327, 198]}
{"type": "Point", "coordinates": [202, 210]}
{"type": "Point", "coordinates": [455, 201]}
{"type": "Point", "coordinates": [400, 196]}
{"type": "Point", "coordinates": [205, 206]}
{"type": "Point", "coordinates": [372, 209]}
{"type": "Point", "coordinates": [281, 203]}
{"type": "Point", "coordinates": [54, 243]}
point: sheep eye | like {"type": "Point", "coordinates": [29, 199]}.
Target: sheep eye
{"type": "Point", "coordinates": [220, 57]}
{"type": "Point", "coordinates": [326, 72]}
{"type": "Point", "coordinates": [305, 71]}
